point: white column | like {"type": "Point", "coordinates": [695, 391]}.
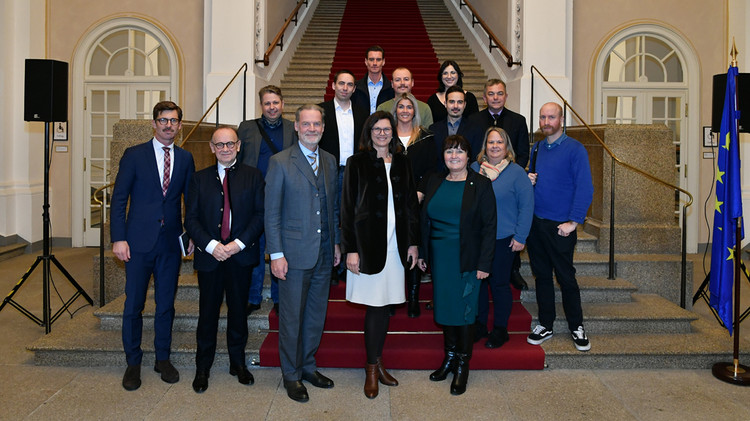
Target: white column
{"type": "Point", "coordinates": [22, 143]}
{"type": "Point", "coordinates": [547, 44]}
{"type": "Point", "coordinates": [228, 42]}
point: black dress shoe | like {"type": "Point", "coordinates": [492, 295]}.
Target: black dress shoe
{"type": "Point", "coordinates": [168, 373]}
{"type": "Point", "coordinates": [242, 373]}
{"type": "Point", "coordinates": [497, 338]}
{"type": "Point", "coordinates": [132, 378]}
{"type": "Point", "coordinates": [251, 308]}
{"type": "Point", "coordinates": [296, 390]}
{"type": "Point", "coordinates": [200, 383]}
{"type": "Point", "coordinates": [517, 281]}
{"type": "Point", "coordinates": [318, 380]}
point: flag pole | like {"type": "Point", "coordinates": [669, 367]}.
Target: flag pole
{"type": "Point", "coordinates": [735, 372]}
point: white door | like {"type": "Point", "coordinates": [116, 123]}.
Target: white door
{"type": "Point", "coordinates": [106, 104]}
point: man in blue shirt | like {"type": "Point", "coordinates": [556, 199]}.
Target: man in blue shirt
{"type": "Point", "coordinates": [261, 138]}
{"type": "Point", "coordinates": [373, 89]}
{"type": "Point", "coordinates": [563, 191]}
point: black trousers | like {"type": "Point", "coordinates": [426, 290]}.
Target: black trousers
{"type": "Point", "coordinates": [550, 252]}
{"type": "Point", "coordinates": [233, 280]}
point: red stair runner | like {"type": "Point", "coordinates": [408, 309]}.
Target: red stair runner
{"type": "Point", "coordinates": [395, 25]}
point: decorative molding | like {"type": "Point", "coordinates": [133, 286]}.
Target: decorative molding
{"type": "Point", "coordinates": [259, 49]}
{"type": "Point", "coordinates": [516, 47]}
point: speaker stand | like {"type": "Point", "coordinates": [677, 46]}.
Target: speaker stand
{"type": "Point", "coordinates": [46, 258]}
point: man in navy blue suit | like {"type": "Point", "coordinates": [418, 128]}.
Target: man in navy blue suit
{"type": "Point", "coordinates": [154, 176]}
{"type": "Point", "coordinates": [224, 217]}
{"type": "Point", "coordinates": [455, 123]}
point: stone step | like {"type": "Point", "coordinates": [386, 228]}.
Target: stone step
{"type": "Point", "coordinates": [81, 343]}
{"type": "Point", "coordinates": [704, 346]}
{"type": "Point", "coordinates": [186, 315]}
{"type": "Point", "coordinates": [647, 313]}
{"type": "Point", "coordinates": [593, 290]}
{"type": "Point", "coordinates": [11, 250]}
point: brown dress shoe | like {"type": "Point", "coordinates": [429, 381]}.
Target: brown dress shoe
{"type": "Point", "coordinates": [132, 378]}
{"type": "Point", "coordinates": [371, 380]}
{"type": "Point", "coordinates": [169, 374]}
{"type": "Point", "coordinates": [384, 376]}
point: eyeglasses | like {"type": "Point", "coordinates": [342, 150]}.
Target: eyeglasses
{"type": "Point", "coordinates": [229, 145]}
{"type": "Point", "coordinates": [163, 121]}
{"type": "Point", "coordinates": [378, 130]}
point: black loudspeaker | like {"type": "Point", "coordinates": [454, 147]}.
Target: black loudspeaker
{"type": "Point", "coordinates": [743, 101]}
{"type": "Point", "coordinates": [46, 91]}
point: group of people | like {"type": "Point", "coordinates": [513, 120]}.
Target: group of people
{"type": "Point", "coordinates": [364, 188]}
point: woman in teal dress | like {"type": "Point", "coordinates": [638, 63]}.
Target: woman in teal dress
{"type": "Point", "coordinates": [458, 239]}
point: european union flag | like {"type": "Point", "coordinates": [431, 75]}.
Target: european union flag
{"type": "Point", "coordinates": [728, 206]}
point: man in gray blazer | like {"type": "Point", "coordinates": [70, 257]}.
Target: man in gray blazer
{"type": "Point", "coordinates": [302, 237]}
{"type": "Point", "coordinates": [261, 138]}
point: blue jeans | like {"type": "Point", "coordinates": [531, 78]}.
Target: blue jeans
{"type": "Point", "coordinates": [257, 276]}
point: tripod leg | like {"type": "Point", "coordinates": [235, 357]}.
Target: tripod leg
{"type": "Point", "coordinates": [71, 280]}
{"type": "Point", "coordinates": [20, 283]}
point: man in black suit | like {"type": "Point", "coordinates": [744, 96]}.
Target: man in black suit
{"type": "Point", "coordinates": [343, 127]}
{"type": "Point", "coordinates": [261, 138]}
{"type": "Point", "coordinates": [153, 178]}
{"type": "Point", "coordinates": [455, 104]}
{"type": "Point", "coordinates": [495, 95]}
{"type": "Point", "coordinates": [373, 89]}
{"type": "Point", "coordinates": [224, 217]}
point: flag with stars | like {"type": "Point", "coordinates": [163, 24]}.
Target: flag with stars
{"type": "Point", "coordinates": [728, 206]}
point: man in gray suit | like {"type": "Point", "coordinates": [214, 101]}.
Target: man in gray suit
{"type": "Point", "coordinates": [261, 138]}
{"type": "Point", "coordinates": [302, 237]}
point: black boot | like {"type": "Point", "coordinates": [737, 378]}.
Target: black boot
{"type": "Point", "coordinates": [413, 280]}
{"type": "Point", "coordinates": [463, 356]}
{"type": "Point", "coordinates": [449, 362]}
{"type": "Point", "coordinates": [498, 337]}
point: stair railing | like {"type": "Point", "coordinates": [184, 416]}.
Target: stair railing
{"type": "Point", "coordinates": [494, 41]}
{"type": "Point", "coordinates": [95, 195]}
{"type": "Point", "coordinates": [278, 40]}
{"type": "Point", "coordinates": [618, 161]}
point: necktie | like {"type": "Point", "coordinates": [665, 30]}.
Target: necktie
{"type": "Point", "coordinates": [495, 119]}
{"type": "Point", "coordinates": [314, 164]}
{"type": "Point", "coordinates": [167, 165]}
{"type": "Point", "coordinates": [225, 216]}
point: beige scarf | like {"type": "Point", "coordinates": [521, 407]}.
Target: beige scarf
{"type": "Point", "coordinates": [492, 171]}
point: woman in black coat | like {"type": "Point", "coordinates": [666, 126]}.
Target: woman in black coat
{"type": "Point", "coordinates": [379, 234]}
{"type": "Point", "coordinates": [459, 221]}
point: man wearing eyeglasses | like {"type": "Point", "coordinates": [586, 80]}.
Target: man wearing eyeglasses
{"type": "Point", "coordinates": [154, 176]}
{"type": "Point", "coordinates": [224, 217]}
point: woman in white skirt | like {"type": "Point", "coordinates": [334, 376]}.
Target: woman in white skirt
{"type": "Point", "coordinates": [379, 234]}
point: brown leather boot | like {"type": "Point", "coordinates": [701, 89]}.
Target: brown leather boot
{"type": "Point", "coordinates": [371, 380]}
{"type": "Point", "coordinates": [384, 376]}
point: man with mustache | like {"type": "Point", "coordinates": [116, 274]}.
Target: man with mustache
{"type": "Point", "coordinates": [563, 191]}
{"type": "Point", "coordinates": [402, 82]}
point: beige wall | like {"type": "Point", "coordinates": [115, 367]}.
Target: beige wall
{"type": "Point", "coordinates": [594, 22]}
{"type": "Point", "coordinates": [67, 23]}
{"type": "Point", "coordinates": [495, 14]}
{"type": "Point", "coordinates": [276, 13]}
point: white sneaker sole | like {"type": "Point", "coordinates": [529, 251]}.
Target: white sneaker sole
{"type": "Point", "coordinates": [537, 342]}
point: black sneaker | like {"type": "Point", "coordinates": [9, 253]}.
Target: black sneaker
{"type": "Point", "coordinates": [581, 341]}
{"type": "Point", "coordinates": [539, 335]}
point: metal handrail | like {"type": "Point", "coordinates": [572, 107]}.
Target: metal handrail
{"type": "Point", "coordinates": [278, 41]}
{"type": "Point", "coordinates": [216, 103]}
{"type": "Point", "coordinates": [95, 196]}
{"type": "Point", "coordinates": [616, 160]}
{"type": "Point", "coordinates": [493, 40]}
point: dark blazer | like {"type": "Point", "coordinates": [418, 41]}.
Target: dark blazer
{"type": "Point", "coordinates": [361, 94]}
{"type": "Point", "coordinates": [292, 227]}
{"type": "Point", "coordinates": [364, 209]}
{"type": "Point", "coordinates": [514, 124]}
{"type": "Point", "coordinates": [138, 179]}
{"type": "Point", "coordinates": [204, 210]}
{"type": "Point", "coordinates": [473, 133]}
{"type": "Point", "coordinates": [251, 139]}
{"type": "Point", "coordinates": [330, 140]}
{"type": "Point", "coordinates": [478, 224]}
{"type": "Point", "coordinates": [423, 158]}
{"type": "Point", "coordinates": [439, 112]}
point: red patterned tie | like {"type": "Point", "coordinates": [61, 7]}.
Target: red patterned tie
{"type": "Point", "coordinates": [227, 209]}
{"type": "Point", "coordinates": [167, 165]}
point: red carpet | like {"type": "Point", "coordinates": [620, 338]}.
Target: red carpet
{"type": "Point", "coordinates": [411, 344]}
{"type": "Point", "coordinates": [395, 25]}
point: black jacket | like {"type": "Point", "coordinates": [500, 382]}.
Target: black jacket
{"type": "Point", "coordinates": [364, 209]}
{"type": "Point", "coordinates": [514, 124]}
{"type": "Point", "coordinates": [330, 139]}
{"type": "Point", "coordinates": [478, 224]}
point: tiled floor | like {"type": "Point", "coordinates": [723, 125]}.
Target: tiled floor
{"type": "Point", "coordinates": [32, 392]}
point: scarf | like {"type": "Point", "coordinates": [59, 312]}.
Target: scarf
{"type": "Point", "coordinates": [492, 171]}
